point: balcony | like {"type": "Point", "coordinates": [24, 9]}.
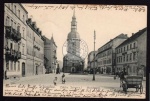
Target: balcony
{"type": "Point", "coordinates": [7, 53]}
{"type": "Point", "coordinates": [12, 54]}
{"type": "Point", "coordinates": [18, 36]}
{"type": "Point", "coordinates": [19, 55]}
{"type": "Point", "coordinates": [14, 34]}
{"type": "Point", "coordinates": [11, 33]}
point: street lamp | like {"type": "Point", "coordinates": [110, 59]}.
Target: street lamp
{"type": "Point", "coordinates": [94, 57]}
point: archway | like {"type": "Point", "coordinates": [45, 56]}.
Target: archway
{"type": "Point", "coordinates": [73, 69]}
{"type": "Point", "coordinates": [23, 69]}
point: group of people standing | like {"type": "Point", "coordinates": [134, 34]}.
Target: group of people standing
{"type": "Point", "coordinates": [63, 80]}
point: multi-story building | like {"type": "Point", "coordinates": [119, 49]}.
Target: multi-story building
{"type": "Point", "coordinates": [91, 60]}
{"type": "Point", "coordinates": [50, 52]}
{"type": "Point", "coordinates": [14, 57]}
{"type": "Point", "coordinates": [131, 54]}
{"type": "Point", "coordinates": [106, 54]}
{"type": "Point", "coordinates": [35, 50]}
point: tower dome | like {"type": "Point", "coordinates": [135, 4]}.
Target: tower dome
{"type": "Point", "coordinates": [73, 35]}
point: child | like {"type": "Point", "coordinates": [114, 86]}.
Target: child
{"type": "Point", "coordinates": [63, 79]}
{"type": "Point", "coordinates": [55, 81]}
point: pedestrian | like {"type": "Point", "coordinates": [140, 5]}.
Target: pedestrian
{"type": "Point", "coordinates": [63, 79]}
{"type": "Point", "coordinates": [6, 74]}
{"type": "Point", "coordinates": [55, 81]}
{"type": "Point", "coordinates": [121, 78]}
{"type": "Point", "coordinates": [117, 74]}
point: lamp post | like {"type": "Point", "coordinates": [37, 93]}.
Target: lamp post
{"type": "Point", "coordinates": [94, 57]}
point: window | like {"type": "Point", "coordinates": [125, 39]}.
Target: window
{"type": "Point", "coordinates": [11, 23]}
{"type": "Point", "coordinates": [19, 13]}
{"type": "Point", "coordinates": [23, 32]}
{"type": "Point", "coordinates": [23, 18]}
{"type": "Point", "coordinates": [23, 49]}
{"type": "Point", "coordinates": [124, 58]}
{"type": "Point", "coordinates": [120, 58]}
{"type": "Point", "coordinates": [117, 59]}
{"type": "Point", "coordinates": [15, 9]}
{"type": "Point", "coordinates": [127, 58]}
{"type": "Point", "coordinates": [14, 66]}
{"type": "Point", "coordinates": [130, 56]}
{"type": "Point", "coordinates": [134, 55]}
{"type": "Point", "coordinates": [127, 47]}
{"type": "Point", "coordinates": [14, 25]}
{"type": "Point", "coordinates": [18, 28]}
{"type": "Point", "coordinates": [18, 66]}
{"type": "Point", "coordinates": [7, 21]}
{"type": "Point", "coordinates": [134, 45]}
{"type": "Point", "coordinates": [124, 48]}
{"type": "Point", "coordinates": [130, 46]}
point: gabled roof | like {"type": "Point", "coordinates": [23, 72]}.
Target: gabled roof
{"type": "Point", "coordinates": [52, 40]}
{"type": "Point", "coordinates": [133, 37]}
{"type": "Point", "coordinates": [121, 36]}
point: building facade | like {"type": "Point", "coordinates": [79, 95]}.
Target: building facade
{"type": "Point", "coordinates": [50, 52]}
{"type": "Point", "coordinates": [35, 50]}
{"type": "Point", "coordinates": [72, 61]}
{"type": "Point", "coordinates": [14, 57]}
{"type": "Point", "coordinates": [131, 54]}
{"type": "Point", "coordinates": [106, 54]}
{"type": "Point", "coordinates": [91, 61]}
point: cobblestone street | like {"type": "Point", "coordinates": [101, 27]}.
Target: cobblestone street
{"type": "Point", "coordinates": [102, 81]}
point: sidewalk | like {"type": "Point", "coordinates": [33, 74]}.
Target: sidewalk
{"type": "Point", "coordinates": [25, 78]}
{"type": "Point", "coordinates": [109, 75]}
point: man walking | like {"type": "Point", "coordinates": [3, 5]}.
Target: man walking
{"type": "Point", "coordinates": [121, 78]}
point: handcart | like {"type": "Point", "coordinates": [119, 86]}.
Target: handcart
{"type": "Point", "coordinates": [133, 82]}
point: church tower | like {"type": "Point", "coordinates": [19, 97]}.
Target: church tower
{"type": "Point", "coordinates": [73, 39]}
{"type": "Point", "coordinates": [72, 61]}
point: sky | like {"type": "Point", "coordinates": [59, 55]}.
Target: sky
{"type": "Point", "coordinates": [107, 23]}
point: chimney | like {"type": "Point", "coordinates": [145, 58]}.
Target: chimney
{"type": "Point", "coordinates": [30, 20]}
{"type": "Point", "coordinates": [132, 34]}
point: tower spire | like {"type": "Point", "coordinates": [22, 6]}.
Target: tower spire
{"type": "Point", "coordinates": [74, 13]}
{"type": "Point", "coordinates": [73, 22]}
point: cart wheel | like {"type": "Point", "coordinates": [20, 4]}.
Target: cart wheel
{"type": "Point", "coordinates": [141, 89]}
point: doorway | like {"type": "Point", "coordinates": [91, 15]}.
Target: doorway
{"type": "Point", "coordinates": [36, 70]}
{"type": "Point", "coordinates": [23, 69]}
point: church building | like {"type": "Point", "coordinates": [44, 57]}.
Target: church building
{"type": "Point", "coordinates": [72, 61]}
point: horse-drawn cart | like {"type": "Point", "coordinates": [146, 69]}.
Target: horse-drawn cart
{"type": "Point", "coordinates": [133, 82]}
